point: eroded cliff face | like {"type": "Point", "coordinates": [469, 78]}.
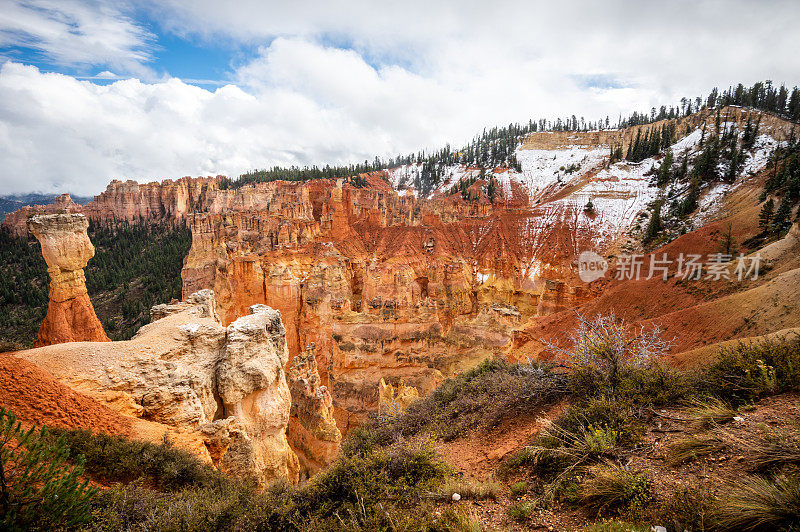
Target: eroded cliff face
{"type": "Point", "coordinates": [388, 286]}
{"type": "Point", "coordinates": [17, 222]}
{"type": "Point", "coordinates": [312, 430]}
{"type": "Point", "coordinates": [391, 286]}
{"type": "Point", "coordinates": [225, 385]}
{"type": "Point", "coordinates": [66, 249]}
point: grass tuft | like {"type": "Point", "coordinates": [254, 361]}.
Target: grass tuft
{"type": "Point", "coordinates": [709, 411]}
{"type": "Point", "coordinates": [757, 503]}
{"type": "Point", "coordinates": [609, 486]}
{"type": "Point", "coordinates": [692, 447]}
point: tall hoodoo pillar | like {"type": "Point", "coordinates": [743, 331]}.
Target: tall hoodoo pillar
{"type": "Point", "coordinates": [66, 249]}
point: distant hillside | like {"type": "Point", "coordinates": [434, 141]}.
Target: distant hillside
{"type": "Point", "coordinates": [13, 202]}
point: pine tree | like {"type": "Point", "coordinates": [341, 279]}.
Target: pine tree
{"type": "Point", "coordinates": [781, 219]}
{"type": "Point", "coordinates": [654, 226]}
{"type": "Point", "coordinates": [728, 242]}
{"type": "Point", "coordinates": [765, 217]}
{"type": "Point", "coordinates": [38, 488]}
{"type": "Point", "coordinates": [491, 189]}
{"type": "Point", "coordinates": [664, 173]}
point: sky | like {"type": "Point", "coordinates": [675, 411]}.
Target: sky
{"type": "Point", "coordinates": [95, 90]}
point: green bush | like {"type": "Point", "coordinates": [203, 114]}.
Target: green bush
{"type": "Point", "coordinates": [118, 459]}
{"type": "Point", "coordinates": [744, 372]}
{"type": "Point", "coordinates": [480, 398]}
{"type": "Point", "coordinates": [399, 473]}
{"type": "Point", "coordinates": [38, 487]}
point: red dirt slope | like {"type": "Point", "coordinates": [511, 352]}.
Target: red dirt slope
{"type": "Point", "coordinates": [36, 397]}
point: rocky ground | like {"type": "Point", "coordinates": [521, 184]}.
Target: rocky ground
{"type": "Point", "coordinates": [479, 456]}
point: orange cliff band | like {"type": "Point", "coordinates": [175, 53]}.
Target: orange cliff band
{"type": "Point", "coordinates": [66, 249]}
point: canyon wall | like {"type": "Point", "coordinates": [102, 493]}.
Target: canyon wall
{"type": "Point", "coordinates": [386, 286]}
{"type": "Point", "coordinates": [66, 249]}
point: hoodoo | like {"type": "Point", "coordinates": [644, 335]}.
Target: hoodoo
{"type": "Point", "coordinates": [66, 249]}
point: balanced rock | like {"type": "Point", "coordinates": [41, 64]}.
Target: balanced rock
{"type": "Point", "coordinates": [66, 249]}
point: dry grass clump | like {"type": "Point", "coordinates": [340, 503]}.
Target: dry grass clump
{"type": "Point", "coordinates": [609, 486]}
{"type": "Point", "coordinates": [468, 489]}
{"type": "Point", "coordinates": [773, 451]}
{"type": "Point", "coordinates": [709, 411]}
{"type": "Point", "coordinates": [692, 447]}
{"type": "Point", "coordinates": [759, 503]}
{"type": "Point", "coordinates": [522, 510]}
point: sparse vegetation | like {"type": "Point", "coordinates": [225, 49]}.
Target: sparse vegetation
{"type": "Point", "coordinates": [519, 488]}
{"type": "Point", "coordinates": [389, 477]}
{"type": "Point", "coordinates": [521, 510]}
{"type": "Point", "coordinates": [118, 459]}
{"type": "Point", "coordinates": [469, 489]}
{"type": "Point", "coordinates": [687, 508]}
{"type": "Point", "coordinates": [481, 397]}
{"type": "Point", "coordinates": [744, 372]}
{"type": "Point", "coordinates": [611, 487]}
{"type": "Point", "coordinates": [710, 411]}
{"type": "Point", "coordinates": [692, 447]}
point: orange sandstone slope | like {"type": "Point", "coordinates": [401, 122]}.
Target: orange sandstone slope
{"type": "Point", "coordinates": [696, 312]}
{"type": "Point", "coordinates": [37, 398]}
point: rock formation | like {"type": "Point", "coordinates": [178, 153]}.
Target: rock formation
{"type": "Point", "coordinates": [186, 370]}
{"type": "Point", "coordinates": [391, 401]}
{"type": "Point", "coordinates": [312, 427]}
{"type": "Point", "coordinates": [16, 222]}
{"type": "Point", "coordinates": [66, 249]}
{"type": "Point", "coordinates": [381, 285]}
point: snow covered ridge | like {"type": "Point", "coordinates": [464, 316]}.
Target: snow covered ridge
{"type": "Point", "coordinates": [543, 168]}
{"type": "Point", "coordinates": [561, 182]}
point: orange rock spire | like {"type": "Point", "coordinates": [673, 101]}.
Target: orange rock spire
{"type": "Point", "coordinates": [66, 249]}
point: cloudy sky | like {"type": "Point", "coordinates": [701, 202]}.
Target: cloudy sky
{"type": "Point", "coordinates": [97, 90]}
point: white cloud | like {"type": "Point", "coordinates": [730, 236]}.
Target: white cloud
{"type": "Point", "coordinates": [78, 33]}
{"type": "Point", "coordinates": [337, 83]}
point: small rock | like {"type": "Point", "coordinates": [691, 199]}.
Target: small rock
{"type": "Point", "coordinates": [739, 420]}
{"type": "Point", "coordinates": [658, 529]}
{"type": "Point", "coordinates": [456, 497]}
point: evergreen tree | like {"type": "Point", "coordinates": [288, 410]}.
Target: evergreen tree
{"type": "Point", "coordinates": [664, 173]}
{"type": "Point", "coordinates": [765, 217]}
{"type": "Point", "coordinates": [654, 226]}
{"type": "Point", "coordinates": [780, 220]}
{"type": "Point", "coordinates": [491, 189]}
{"type": "Point", "coordinates": [38, 488]}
